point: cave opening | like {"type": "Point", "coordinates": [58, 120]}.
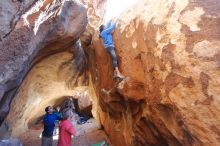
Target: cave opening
{"type": "Point", "coordinates": [58, 80]}
{"type": "Point", "coordinates": [55, 79]}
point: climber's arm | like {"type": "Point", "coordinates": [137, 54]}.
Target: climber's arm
{"type": "Point", "coordinates": [109, 29]}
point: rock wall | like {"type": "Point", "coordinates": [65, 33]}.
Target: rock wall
{"type": "Point", "coordinates": [44, 85]}
{"type": "Point", "coordinates": [170, 53]}
{"type": "Point", "coordinates": [49, 82]}
{"type": "Point", "coordinates": [11, 11]}
{"type": "Point", "coordinates": [41, 51]}
{"type": "Point", "coordinates": [95, 14]}
{"type": "Point", "coordinates": [48, 27]}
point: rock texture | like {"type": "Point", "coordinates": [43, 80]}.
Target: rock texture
{"type": "Point", "coordinates": [49, 82]}
{"type": "Point", "coordinates": [45, 52]}
{"type": "Point", "coordinates": [83, 103]}
{"type": "Point", "coordinates": [10, 13]}
{"type": "Point", "coordinates": [48, 27]}
{"type": "Point", "coordinates": [95, 14]}
{"type": "Point", "coordinates": [170, 53]}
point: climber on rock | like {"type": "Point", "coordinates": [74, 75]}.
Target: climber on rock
{"type": "Point", "coordinates": [106, 35]}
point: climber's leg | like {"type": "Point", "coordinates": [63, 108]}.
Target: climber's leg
{"type": "Point", "coordinates": [117, 73]}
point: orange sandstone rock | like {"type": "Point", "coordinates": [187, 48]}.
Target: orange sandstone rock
{"type": "Point", "coordinates": [169, 50]}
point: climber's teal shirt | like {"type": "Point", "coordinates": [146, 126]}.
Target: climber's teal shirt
{"type": "Point", "coordinates": [107, 36]}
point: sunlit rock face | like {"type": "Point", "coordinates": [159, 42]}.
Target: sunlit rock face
{"type": "Point", "coordinates": [41, 46]}
{"type": "Point", "coordinates": [47, 27]}
{"type": "Point", "coordinates": [11, 11]}
{"type": "Point", "coordinates": [170, 53]}
{"type": "Point", "coordinates": [84, 102]}
{"type": "Point", "coordinates": [95, 15]}
{"type": "Point", "coordinates": [50, 82]}
{"type": "Point", "coordinates": [43, 86]}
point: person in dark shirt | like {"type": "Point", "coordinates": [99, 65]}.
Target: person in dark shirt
{"type": "Point", "coordinates": [49, 124]}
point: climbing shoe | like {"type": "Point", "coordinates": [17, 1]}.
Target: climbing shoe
{"type": "Point", "coordinates": [118, 77]}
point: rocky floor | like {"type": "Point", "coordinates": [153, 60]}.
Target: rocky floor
{"type": "Point", "coordinates": [87, 134]}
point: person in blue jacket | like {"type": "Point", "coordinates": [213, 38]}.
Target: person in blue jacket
{"type": "Point", "coordinates": [49, 123]}
{"type": "Point", "coordinates": [106, 35]}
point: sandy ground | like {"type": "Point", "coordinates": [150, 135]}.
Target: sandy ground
{"type": "Point", "coordinates": [88, 134]}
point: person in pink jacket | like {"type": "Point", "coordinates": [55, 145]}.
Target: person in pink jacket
{"type": "Point", "coordinates": [66, 129]}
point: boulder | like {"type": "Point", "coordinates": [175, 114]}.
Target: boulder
{"type": "Point", "coordinates": [43, 86]}
{"type": "Point", "coordinates": [11, 11]}
{"type": "Point", "coordinates": [84, 101]}
{"type": "Point", "coordinates": [170, 53]}
{"type": "Point", "coordinates": [84, 104]}
{"type": "Point", "coordinates": [46, 28]}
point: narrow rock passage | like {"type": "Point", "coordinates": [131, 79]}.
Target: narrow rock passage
{"type": "Point", "coordinates": [87, 134]}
